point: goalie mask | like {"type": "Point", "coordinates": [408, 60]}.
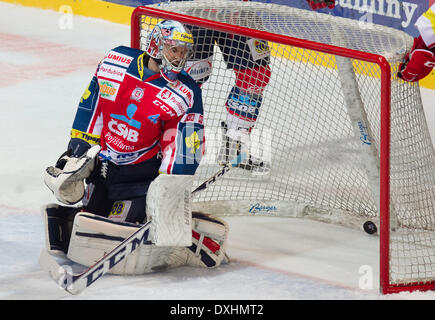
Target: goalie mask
{"type": "Point", "coordinates": [171, 44]}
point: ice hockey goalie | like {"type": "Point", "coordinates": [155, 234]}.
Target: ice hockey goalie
{"type": "Point", "coordinates": [136, 141]}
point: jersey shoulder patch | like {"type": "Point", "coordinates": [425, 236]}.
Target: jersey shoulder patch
{"type": "Point", "coordinates": [121, 56]}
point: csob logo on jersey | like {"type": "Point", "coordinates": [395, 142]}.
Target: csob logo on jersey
{"type": "Point", "coordinates": [121, 129]}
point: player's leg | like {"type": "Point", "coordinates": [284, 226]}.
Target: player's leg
{"type": "Point", "coordinates": [249, 58]}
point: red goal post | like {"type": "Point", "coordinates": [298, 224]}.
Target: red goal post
{"type": "Point", "coordinates": [385, 104]}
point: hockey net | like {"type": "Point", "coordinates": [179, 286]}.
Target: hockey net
{"type": "Point", "coordinates": [346, 140]}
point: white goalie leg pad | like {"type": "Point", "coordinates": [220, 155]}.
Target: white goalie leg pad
{"type": "Point", "coordinates": [93, 236]}
{"type": "Point", "coordinates": [169, 209]}
{"type": "Point", "coordinates": [209, 241]}
{"type": "Point", "coordinates": [67, 184]}
{"type": "Point", "coordinates": [51, 248]}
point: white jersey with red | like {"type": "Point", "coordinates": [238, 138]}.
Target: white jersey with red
{"type": "Point", "coordinates": [134, 113]}
{"type": "Point", "coordinates": [426, 26]}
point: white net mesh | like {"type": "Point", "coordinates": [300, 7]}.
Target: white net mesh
{"type": "Point", "coordinates": [312, 154]}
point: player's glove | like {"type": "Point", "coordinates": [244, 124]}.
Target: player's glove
{"type": "Point", "coordinates": [66, 178]}
{"type": "Point", "coordinates": [320, 4]}
{"type": "Point", "coordinates": [418, 62]}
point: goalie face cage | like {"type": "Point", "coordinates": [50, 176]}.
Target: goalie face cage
{"type": "Point", "coordinates": [346, 140]}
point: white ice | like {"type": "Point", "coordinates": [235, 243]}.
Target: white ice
{"type": "Point", "coordinates": [44, 68]}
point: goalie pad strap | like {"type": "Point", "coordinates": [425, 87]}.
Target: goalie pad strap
{"type": "Point", "coordinates": [201, 256]}
{"type": "Point", "coordinates": [209, 243]}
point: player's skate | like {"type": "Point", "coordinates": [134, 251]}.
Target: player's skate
{"type": "Point", "coordinates": [234, 143]}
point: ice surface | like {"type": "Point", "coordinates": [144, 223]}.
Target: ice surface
{"type": "Point", "coordinates": [44, 70]}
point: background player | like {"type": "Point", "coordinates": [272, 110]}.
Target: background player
{"type": "Point", "coordinates": [420, 61]}
{"type": "Point", "coordinates": [249, 58]}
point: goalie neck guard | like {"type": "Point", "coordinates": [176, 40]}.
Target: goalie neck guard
{"type": "Point", "coordinates": [171, 44]}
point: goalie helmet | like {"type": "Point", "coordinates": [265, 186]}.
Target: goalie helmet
{"type": "Point", "coordinates": [171, 44]}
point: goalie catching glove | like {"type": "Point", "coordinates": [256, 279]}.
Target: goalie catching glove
{"type": "Point", "coordinates": [66, 178]}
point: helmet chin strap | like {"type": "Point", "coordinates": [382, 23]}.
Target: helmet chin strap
{"type": "Point", "coordinates": [170, 76]}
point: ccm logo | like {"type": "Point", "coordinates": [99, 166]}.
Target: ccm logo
{"type": "Point", "coordinates": [122, 130]}
{"type": "Point", "coordinates": [430, 64]}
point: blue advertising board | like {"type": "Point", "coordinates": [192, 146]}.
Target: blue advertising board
{"type": "Point", "coordinates": [397, 14]}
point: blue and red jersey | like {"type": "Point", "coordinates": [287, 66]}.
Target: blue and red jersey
{"type": "Point", "coordinates": [134, 114]}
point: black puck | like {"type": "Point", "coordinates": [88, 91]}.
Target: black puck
{"type": "Point", "coordinates": [370, 227]}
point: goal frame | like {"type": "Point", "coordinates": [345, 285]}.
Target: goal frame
{"type": "Point", "coordinates": [385, 78]}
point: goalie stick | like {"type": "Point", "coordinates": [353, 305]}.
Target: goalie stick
{"type": "Point", "coordinates": [75, 283]}
{"type": "Point", "coordinates": [234, 163]}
